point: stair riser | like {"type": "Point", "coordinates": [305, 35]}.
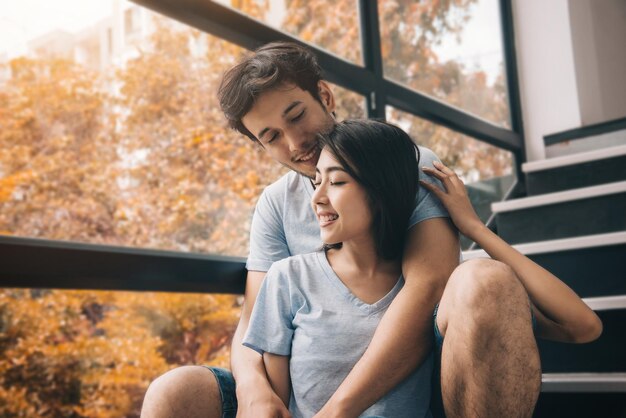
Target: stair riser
{"type": "Point", "coordinates": [581, 217]}
{"type": "Point", "coordinates": [606, 354]}
{"type": "Point", "coordinates": [576, 176]}
{"type": "Point", "coordinates": [591, 272]}
{"type": "Point", "coordinates": [581, 405]}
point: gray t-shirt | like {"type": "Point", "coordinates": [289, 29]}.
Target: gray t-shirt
{"type": "Point", "coordinates": [304, 311]}
{"type": "Point", "coordinates": [284, 223]}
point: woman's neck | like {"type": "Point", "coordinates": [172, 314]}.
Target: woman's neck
{"type": "Point", "coordinates": [359, 260]}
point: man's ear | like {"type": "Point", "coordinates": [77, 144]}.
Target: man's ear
{"type": "Point", "coordinates": [326, 95]}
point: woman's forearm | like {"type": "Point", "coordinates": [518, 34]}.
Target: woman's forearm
{"type": "Point", "coordinates": [569, 318]}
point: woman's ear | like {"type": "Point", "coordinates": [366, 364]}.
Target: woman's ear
{"type": "Point", "coordinates": [326, 96]}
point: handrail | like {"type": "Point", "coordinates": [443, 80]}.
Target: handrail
{"type": "Point", "coordinates": [41, 263]}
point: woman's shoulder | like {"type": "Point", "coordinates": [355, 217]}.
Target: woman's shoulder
{"type": "Point", "coordinates": [297, 263]}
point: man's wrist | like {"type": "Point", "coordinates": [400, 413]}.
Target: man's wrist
{"type": "Point", "coordinates": [338, 407]}
{"type": "Point", "coordinates": [250, 383]}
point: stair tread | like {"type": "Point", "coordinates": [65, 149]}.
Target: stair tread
{"type": "Point", "coordinates": [561, 244]}
{"type": "Point", "coordinates": [583, 382]}
{"type": "Point", "coordinates": [559, 197]}
{"type": "Point", "coordinates": [578, 158]}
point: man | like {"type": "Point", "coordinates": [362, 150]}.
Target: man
{"type": "Point", "coordinates": [489, 359]}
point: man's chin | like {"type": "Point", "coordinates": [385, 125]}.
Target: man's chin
{"type": "Point", "coordinates": [305, 171]}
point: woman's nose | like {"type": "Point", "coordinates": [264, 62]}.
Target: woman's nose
{"type": "Point", "coordinates": [319, 195]}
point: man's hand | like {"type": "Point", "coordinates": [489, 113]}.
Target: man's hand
{"type": "Point", "coordinates": [260, 403]}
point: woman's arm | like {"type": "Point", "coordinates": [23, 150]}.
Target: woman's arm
{"type": "Point", "coordinates": [561, 315]}
{"type": "Point", "coordinates": [277, 368]}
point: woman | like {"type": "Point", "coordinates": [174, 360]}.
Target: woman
{"type": "Point", "coordinates": [316, 313]}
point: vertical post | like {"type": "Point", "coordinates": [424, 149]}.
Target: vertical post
{"type": "Point", "coordinates": [372, 56]}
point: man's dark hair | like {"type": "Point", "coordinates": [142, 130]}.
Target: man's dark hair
{"type": "Point", "coordinates": [268, 67]}
{"type": "Point", "coordinates": [385, 161]}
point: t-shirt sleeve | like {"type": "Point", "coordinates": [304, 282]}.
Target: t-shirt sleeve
{"type": "Point", "coordinates": [271, 324]}
{"type": "Point", "coordinates": [427, 205]}
{"type": "Point", "coordinates": [267, 235]}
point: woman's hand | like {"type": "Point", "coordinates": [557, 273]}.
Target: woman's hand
{"type": "Point", "coordinates": [454, 198]}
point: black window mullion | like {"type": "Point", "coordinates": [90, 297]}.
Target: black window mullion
{"type": "Point", "coordinates": [426, 107]}
{"type": "Point", "coordinates": [372, 56]}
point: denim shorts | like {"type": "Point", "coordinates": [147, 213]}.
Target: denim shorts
{"type": "Point", "coordinates": [226, 383]}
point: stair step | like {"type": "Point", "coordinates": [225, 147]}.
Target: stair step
{"type": "Point", "coordinates": [605, 355]}
{"type": "Point", "coordinates": [574, 159]}
{"type": "Point", "coordinates": [583, 382]}
{"type": "Point", "coordinates": [583, 395]}
{"type": "Point", "coordinates": [580, 405]}
{"type": "Point", "coordinates": [594, 266]}
{"type": "Point", "coordinates": [579, 212]}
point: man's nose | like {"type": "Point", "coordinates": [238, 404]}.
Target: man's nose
{"type": "Point", "coordinates": [295, 139]}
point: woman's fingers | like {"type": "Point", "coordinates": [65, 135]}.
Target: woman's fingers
{"type": "Point", "coordinates": [445, 170]}
{"type": "Point", "coordinates": [434, 189]}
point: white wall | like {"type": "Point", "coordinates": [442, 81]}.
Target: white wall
{"type": "Point", "coordinates": [546, 71]}
{"type": "Point", "coordinates": [599, 45]}
{"type": "Point", "coordinates": [572, 69]}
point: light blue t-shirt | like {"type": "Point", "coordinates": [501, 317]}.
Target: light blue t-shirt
{"type": "Point", "coordinates": [303, 310]}
{"type": "Point", "coordinates": [284, 223]}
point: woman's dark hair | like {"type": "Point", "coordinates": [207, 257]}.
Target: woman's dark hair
{"type": "Point", "coordinates": [268, 67]}
{"type": "Point", "coordinates": [385, 161]}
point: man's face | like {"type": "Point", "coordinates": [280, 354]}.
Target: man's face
{"type": "Point", "coordinates": [286, 121]}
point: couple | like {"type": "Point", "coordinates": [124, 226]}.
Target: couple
{"type": "Point", "coordinates": [489, 359]}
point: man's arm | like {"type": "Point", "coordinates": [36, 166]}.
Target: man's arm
{"type": "Point", "coordinates": [255, 396]}
{"type": "Point", "coordinates": [277, 367]}
{"type": "Point", "coordinates": [403, 339]}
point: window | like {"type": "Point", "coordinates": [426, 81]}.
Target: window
{"type": "Point", "coordinates": [448, 50]}
{"type": "Point", "coordinates": [331, 25]}
{"type": "Point", "coordinates": [93, 354]}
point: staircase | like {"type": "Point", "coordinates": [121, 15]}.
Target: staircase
{"type": "Point", "coordinates": [573, 223]}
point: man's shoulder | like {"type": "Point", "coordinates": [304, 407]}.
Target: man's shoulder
{"type": "Point", "coordinates": [427, 156]}
{"type": "Point", "coordinates": [290, 182]}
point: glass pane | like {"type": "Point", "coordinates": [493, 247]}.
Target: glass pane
{"type": "Point", "coordinates": [331, 25]}
{"type": "Point", "coordinates": [348, 104]}
{"type": "Point", "coordinates": [93, 354]}
{"type": "Point", "coordinates": [449, 50]}
{"type": "Point", "coordinates": [487, 171]}
{"type": "Point", "coordinates": [111, 133]}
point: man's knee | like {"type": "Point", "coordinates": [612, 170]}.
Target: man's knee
{"type": "Point", "coordinates": [185, 391]}
{"type": "Point", "coordinates": [485, 284]}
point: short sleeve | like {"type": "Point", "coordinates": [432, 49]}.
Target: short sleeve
{"type": "Point", "coordinates": [271, 324]}
{"type": "Point", "coordinates": [427, 205]}
{"type": "Point", "coordinates": [267, 236]}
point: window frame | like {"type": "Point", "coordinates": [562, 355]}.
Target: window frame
{"type": "Point", "coordinates": [70, 265]}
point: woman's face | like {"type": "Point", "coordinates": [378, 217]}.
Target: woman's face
{"type": "Point", "coordinates": [340, 203]}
